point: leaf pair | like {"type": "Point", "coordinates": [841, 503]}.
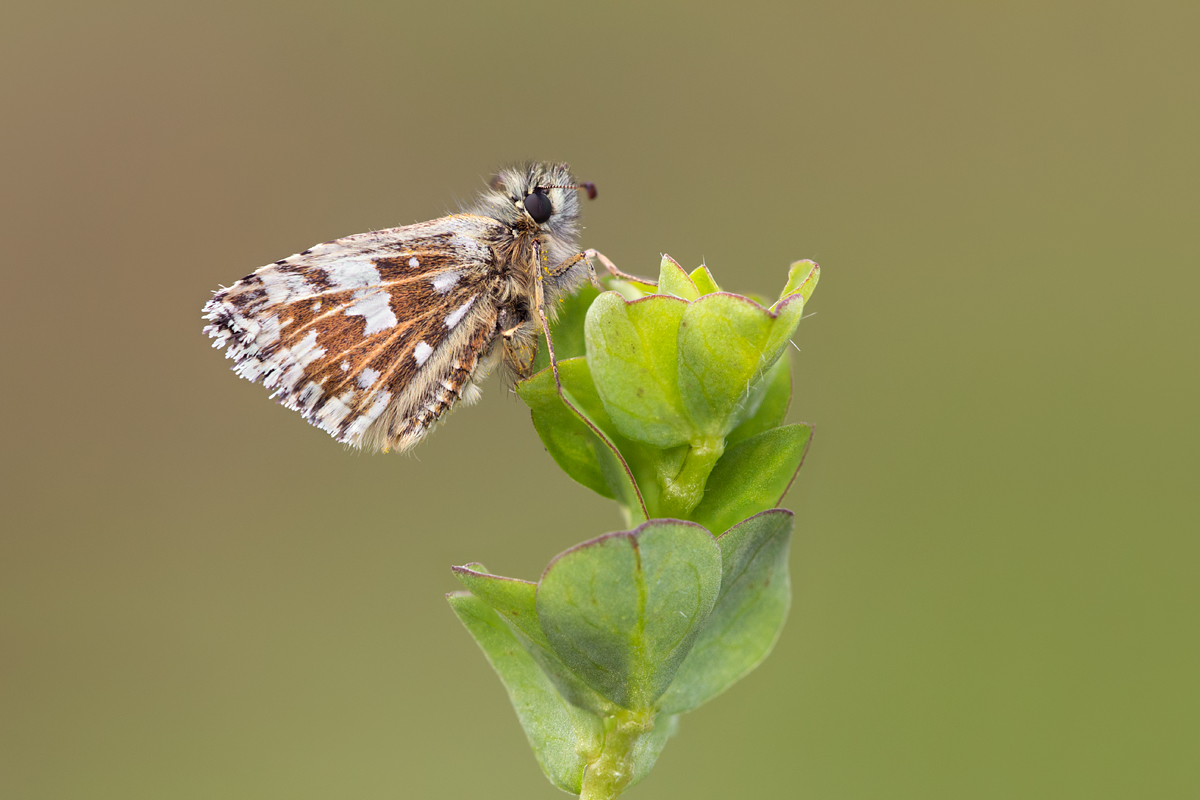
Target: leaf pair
{"type": "Point", "coordinates": [687, 364]}
{"type": "Point", "coordinates": [640, 625]}
{"type": "Point", "coordinates": [674, 386]}
{"type": "Point", "coordinates": [669, 399]}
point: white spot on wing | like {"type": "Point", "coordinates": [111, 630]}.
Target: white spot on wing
{"type": "Point", "coordinates": [422, 353]}
{"type": "Point", "coordinates": [280, 286]}
{"type": "Point", "coordinates": [372, 305]}
{"type": "Point", "coordinates": [317, 306]}
{"type": "Point", "coordinates": [444, 282]}
{"type": "Point", "coordinates": [307, 397]}
{"type": "Point", "coordinates": [455, 317]}
{"type": "Point", "coordinates": [345, 366]}
{"type": "Point", "coordinates": [289, 369]}
{"type": "Point", "coordinates": [306, 351]}
{"type": "Point", "coordinates": [353, 273]}
{"type": "Point", "coordinates": [366, 378]}
{"type": "Point", "coordinates": [379, 401]}
{"type": "Point", "coordinates": [412, 262]}
{"type": "Point", "coordinates": [335, 411]}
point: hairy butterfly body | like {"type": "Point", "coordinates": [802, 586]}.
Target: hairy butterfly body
{"type": "Point", "coordinates": [375, 337]}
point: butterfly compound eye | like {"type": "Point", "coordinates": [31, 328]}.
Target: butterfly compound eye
{"type": "Point", "coordinates": [538, 205]}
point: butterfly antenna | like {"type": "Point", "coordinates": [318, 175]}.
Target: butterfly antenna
{"type": "Point", "coordinates": [586, 186]}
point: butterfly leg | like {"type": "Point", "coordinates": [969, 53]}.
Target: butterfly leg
{"type": "Point", "coordinates": [518, 337]}
{"type": "Point", "coordinates": [612, 268]}
{"type": "Point", "coordinates": [539, 302]}
{"type": "Point", "coordinates": [561, 269]}
{"type": "Point", "coordinates": [519, 358]}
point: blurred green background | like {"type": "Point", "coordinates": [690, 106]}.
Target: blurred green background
{"type": "Point", "coordinates": [995, 566]}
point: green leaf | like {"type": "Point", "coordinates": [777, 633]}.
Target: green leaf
{"type": "Point", "coordinates": [726, 344]}
{"type": "Point", "coordinates": [558, 732]}
{"type": "Point", "coordinates": [704, 280]}
{"type": "Point", "coordinates": [578, 439]}
{"type": "Point", "coordinates": [788, 313]}
{"type": "Point", "coordinates": [774, 396]}
{"type": "Point", "coordinates": [749, 614]}
{"type": "Point", "coordinates": [623, 610]}
{"type": "Point", "coordinates": [802, 280]}
{"type": "Point", "coordinates": [631, 290]}
{"type": "Point", "coordinates": [514, 600]}
{"type": "Point", "coordinates": [567, 438]}
{"type": "Point", "coordinates": [673, 281]}
{"type": "Point", "coordinates": [789, 309]}
{"type": "Point", "coordinates": [632, 355]}
{"type": "Point", "coordinates": [722, 355]}
{"type": "Point", "coordinates": [753, 476]}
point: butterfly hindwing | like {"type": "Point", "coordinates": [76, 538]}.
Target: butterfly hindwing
{"type": "Point", "coordinates": [371, 337]}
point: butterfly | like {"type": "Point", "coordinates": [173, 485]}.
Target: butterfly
{"type": "Point", "coordinates": [375, 337]}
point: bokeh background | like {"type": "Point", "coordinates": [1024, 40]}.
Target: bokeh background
{"type": "Point", "coordinates": [996, 560]}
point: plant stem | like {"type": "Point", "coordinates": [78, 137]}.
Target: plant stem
{"type": "Point", "coordinates": [683, 491]}
{"type": "Point", "coordinates": [610, 773]}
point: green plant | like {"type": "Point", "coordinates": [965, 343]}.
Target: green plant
{"type": "Point", "coordinates": [670, 400]}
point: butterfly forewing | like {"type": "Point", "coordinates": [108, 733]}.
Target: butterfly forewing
{"type": "Point", "coordinates": [371, 337]}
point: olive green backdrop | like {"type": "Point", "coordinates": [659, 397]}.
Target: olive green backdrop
{"type": "Point", "coordinates": [996, 556]}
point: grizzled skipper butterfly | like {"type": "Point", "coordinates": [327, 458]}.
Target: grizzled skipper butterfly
{"type": "Point", "coordinates": [374, 337]}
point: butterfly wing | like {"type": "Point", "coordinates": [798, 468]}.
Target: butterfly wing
{"type": "Point", "coordinates": [371, 337]}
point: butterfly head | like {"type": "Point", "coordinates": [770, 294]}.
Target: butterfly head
{"type": "Point", "coordinates": [541, 196]}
